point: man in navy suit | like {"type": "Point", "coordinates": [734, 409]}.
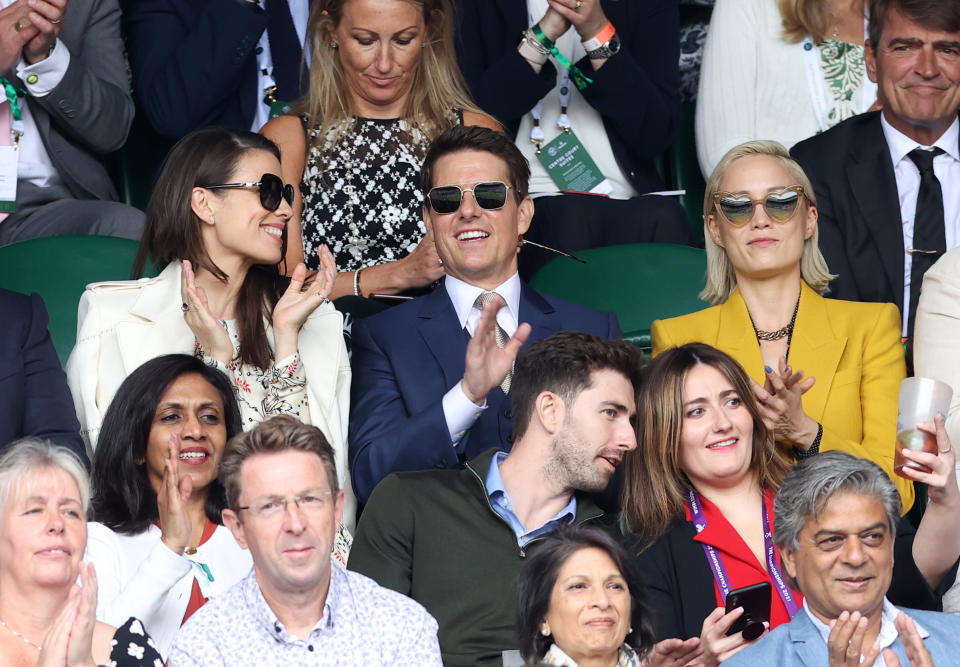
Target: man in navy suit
{"type": "Point", "coordinates": [34, 398]}
{"type": "Point", "coordinates": [430, 379]}
{"type": "Point", "coordinates": [836, 517]}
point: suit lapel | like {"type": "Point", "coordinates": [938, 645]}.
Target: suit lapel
{"type": "Point", "coordinates": [734, 320]}
{"type": "Point", "coordinates": [441, 332]}
{"type": "Point", "coordinates": [807, 642]}
{"type": "Point", "coordinates": [815, 350]}
{"type": "Point", "coordinates": [158, 327]}
{"type": "Point", "coordinates": [538, 313]}
{"type": "Point", "coordinates": [874, 188]}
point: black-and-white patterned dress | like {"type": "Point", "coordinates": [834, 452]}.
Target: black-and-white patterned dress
{"type": "Point", "coordinates": [361, 192]}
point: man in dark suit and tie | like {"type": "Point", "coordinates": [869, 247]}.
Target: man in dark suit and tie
{"type": "Point", "coordinates": [431, 377]}
{"type": "Point", "coordinates": [888, 182]}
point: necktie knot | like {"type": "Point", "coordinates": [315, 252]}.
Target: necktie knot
{"type": "Point", "coordinates": [484, 298]}
{"type": "Point", "coordinates": [924, 158]}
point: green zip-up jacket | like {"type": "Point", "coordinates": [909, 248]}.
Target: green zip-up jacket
{"type": "Point", "coordinates": [434, 536]}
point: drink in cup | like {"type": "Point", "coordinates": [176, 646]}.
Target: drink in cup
{"type": "Point", "coordinates": [920, 400]}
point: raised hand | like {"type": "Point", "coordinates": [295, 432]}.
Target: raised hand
{"type": "Point", "coordinates": [672, 652]}
{"type": "Point", "coordinates": [423, 265]}
{"type": "Point", "coordinates": [782, 408]}
{"type": "Point", "coordinates": [586, 16]}
{"type": "Point", "coordinates": [845, 643]}
{"type": "Point", "coordinates": [297, 303]}
{"type": "Point", "coordinates": [210, 335]}
{"type": "Point", "coordinates": [47, 18]}
{"type": "Point", "coordinates": [175, 523]}
{"type": "Point", "coordinates": [941, 481]}
{"type": "Point", "coordinates": [716, 645]}
{"type": "Point", "coordinates": [486, 365]}
{"type": "Point", "coordinates": [913, 645]}
{"type": "Point", "coordinates": [80, 642]}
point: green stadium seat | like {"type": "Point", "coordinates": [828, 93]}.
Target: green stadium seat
{"type": "Point", "coordinates": [59, 268]}
{"type": "Point", "coordinates": [683, 170]}
{"type": "Point", "coordinates": [640, 282]}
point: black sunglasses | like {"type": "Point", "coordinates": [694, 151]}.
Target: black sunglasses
{"type": "Point", "coordinates": [271, 190]}
{"type": "Point", "coordinates": [447, 198]}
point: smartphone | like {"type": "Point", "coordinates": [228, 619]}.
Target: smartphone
{"type": "Point", "coordinates": [755, 601]}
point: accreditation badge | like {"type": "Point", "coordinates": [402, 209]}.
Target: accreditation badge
{"type": "Point", "coordinates": [8, 178]}
{"type": "Point", "coordinates": [571, 167]}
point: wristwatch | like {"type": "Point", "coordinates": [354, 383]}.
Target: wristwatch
{"type": "Point", "coordinates": [610, 48]}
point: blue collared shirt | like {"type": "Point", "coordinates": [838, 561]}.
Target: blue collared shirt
{"type": "Point", "coordinates": [501, 504]}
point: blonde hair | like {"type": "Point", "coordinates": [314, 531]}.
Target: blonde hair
{"type": "Point", "coordinates": [438, 85]}
{"type": "Point", "coordinates": [721, 279]}
{"type": "Point", "coordinates": [655, 487]}
{"type": "Point", "coordinates": [805, 17]}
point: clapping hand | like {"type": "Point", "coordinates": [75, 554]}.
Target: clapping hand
{"type": "Point", "coordinates": [486, 365]}
{"type": "Point", "coordinates": [175, 524]}
{"type": "Point", "coordinates": [210, 335]}
{"type": "Point", "coordinates": [845, 643]}
{"type": "Point", "coordinates": [586, 16]}
{"type": "Point", "coordinates": [298, 302]}
{"type": "Point", "coordinates": [782, 408]}
{"type": "Point", "coordinates": [69, 642]}
{"type": "Point", "coordinates": [913, 645]}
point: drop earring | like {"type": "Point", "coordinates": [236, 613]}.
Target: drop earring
{"type": "Point", "coordinates": [334, 45]}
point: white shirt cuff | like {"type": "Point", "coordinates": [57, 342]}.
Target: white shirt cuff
{"type": "Point", "coordinates": [42, 77]}
{"type": "Point", "coordinates": [460, 412]}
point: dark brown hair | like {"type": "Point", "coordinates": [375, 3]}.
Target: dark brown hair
{"type": "Point", "coordinates": [654, 485]}
{"type": "Point", "coordinates": [933, 14]}
{"type": "Point", "coordinates": [173, 231]}
{"type": "Point", "coordinates": [477, 138]}
{"type": "Point", "coordinates": [563, 363]}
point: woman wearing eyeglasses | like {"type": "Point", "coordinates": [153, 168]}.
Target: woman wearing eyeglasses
{"type": "Point", "coordinates": [217, 227]}
{"type": "Point", "coordinates": [825, 372]}
{"type": "Point", "coordinates": [384, 83]}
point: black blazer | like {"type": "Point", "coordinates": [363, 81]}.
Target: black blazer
{"type": "Point", "coordinates": [861, 234]}
{"type": "Point", "coordinates": [681, 589]}
{"type": "Point", "coordinates": [194, 62]}
{"type": "Point", "coordinates": [34, 398]}
{"type": "Point", "coordinates": [636, 92]}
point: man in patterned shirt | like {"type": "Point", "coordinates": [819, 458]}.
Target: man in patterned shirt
{"type": "Point", "coordinates": [297, 606]}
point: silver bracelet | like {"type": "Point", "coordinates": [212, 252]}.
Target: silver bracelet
{"type": "Point", "coordinates": [532, 40]}
{"type": "Point", "coordinates": [356, 282]}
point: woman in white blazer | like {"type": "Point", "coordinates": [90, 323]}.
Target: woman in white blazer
{"type": "Point", "coordinates": [158, 544]}
{"type": "Point", "coordinates": [216, 224]}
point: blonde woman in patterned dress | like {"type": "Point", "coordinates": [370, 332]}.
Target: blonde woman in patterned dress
{"type": "Point", "coordinates": [217, 227]}
{"type": "Point", "coordinates": [779, 69]}
{"type": "Point", "coordinates": [383, 83]}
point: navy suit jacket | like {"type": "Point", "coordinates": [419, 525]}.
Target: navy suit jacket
{"type": "Point", "coordinates": [861, 234]}
{"type": "Point", "coordinates": [34, 398]}
{"type": "Point", "coordinates": [799, 644]}
{"type": "Point", "coordinates": [194, 62]}
{"type": "Point", "coordinates": [404, 361]}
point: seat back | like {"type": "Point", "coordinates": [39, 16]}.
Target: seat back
{"type": "Point", "coordinates": [59, 269]}
{"type": "Point", "coordinates": [640, 282]}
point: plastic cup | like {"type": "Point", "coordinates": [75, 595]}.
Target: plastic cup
{"type": "Point", "coordinates": [920, 400]}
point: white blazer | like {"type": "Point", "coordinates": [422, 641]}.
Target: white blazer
{"type": "Point", "coordinates": [138, 575]}
{"type": "Point", "coordinates": [122, 324]}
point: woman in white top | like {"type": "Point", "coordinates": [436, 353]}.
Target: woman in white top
{"type": "Point", "coordinates": [217, 221]}
{"type": "Point", "coordinates": [779, 69]}
{"type": "Point", "coordinates": [158, 543]}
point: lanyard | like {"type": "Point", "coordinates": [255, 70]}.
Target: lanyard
{"type": "Point", "coordinates": [817, 84]}
{"type": "Point", "coordinates": [716, 563]}
{"type": "Point", "coordinates": [12, 93]}
{"type": "Point", "coordinates": [537, 136]}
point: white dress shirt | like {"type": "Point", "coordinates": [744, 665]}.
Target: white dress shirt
{"type": "Point", "coordinates": [34, 164]}
{"type": "Point", "coordinates": [299, 10]}
{"type": "Point", "coordinates": [459, 411]}
{"type": "Point", "coordinates": [947, 169]}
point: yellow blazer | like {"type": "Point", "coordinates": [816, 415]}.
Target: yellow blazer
{"type": "Point", "coordinates": [852, 349]}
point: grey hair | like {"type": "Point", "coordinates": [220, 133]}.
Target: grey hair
{"type": "Point", "coordinates": [721, 279]}
{"type": "Point", "coordinates": [810, 485]}
{"type": "Point", "coordinates": [27, 455]}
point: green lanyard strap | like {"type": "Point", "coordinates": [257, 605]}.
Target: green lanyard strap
{"type": "Point", "coordinates": [580, 79]}
{"type": "Point", "coordinates": [13, 92]}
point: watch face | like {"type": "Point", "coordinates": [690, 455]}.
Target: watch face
{"type": "Point", "coordinates": [614, 44]}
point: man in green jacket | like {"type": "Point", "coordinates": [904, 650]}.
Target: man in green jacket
{"type": "Point", "coordinates": [454, 540]}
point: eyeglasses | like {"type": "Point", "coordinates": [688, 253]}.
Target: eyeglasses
{"type": "Point", "coordinates": [489, 196]}
{"type": "Point", "coordinates": [310, 503]}
{"type": "Point", "coordinates": [271, 190]}
{"type": "Point", "coordinates": [780, 206]}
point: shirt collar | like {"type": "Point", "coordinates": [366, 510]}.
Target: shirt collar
{"type": "Point", "coordinates": [268, 620]}
{"type": "Point", "coordinates": [463, 295]}
{"type": "Point", "coordinates": [900, 144]}
{"type": "Point", "coordinates": [888, 631]}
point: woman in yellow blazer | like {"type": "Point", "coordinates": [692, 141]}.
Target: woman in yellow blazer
{"type": "Point", "coordinates": [826, 372]}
